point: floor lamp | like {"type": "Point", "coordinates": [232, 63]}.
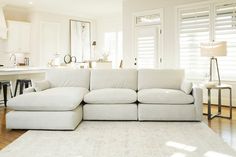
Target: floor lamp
{"type": "Point", "coordinates": [213, 50]}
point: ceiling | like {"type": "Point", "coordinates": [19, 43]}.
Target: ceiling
{"type": "Point", "coordinates": [92, 8]}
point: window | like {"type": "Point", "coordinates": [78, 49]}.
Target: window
{"type": "Point", "coordinates": [148, 19]}
{"type": "Point", "coordinates": [225, 30]}
{"type": "Point", "coordinates": [209, 22]}
{"type": "Point", "coordinates": [194, 28]}
{"type": "Point", "coordinates": [148, 39]}
{"type": "Point", "coordinates": [147, 43]}
{"type": "Point", "coordinates": [113, 46]}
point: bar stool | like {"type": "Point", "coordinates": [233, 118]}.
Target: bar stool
{"type": "Point", "coordinates": [4, 84]}
{"type": "Point", "coordinates": [24, 83]}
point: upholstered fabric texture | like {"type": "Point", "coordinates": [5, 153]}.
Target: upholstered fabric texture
{"type": "Point", "coordinates": [54, 99]}
{"type": "Point", "coordinates": [153, 78]}
{"type": "Point", "coordinates": [41, 85]}
{"type": "Point", "coordinates": [59, 120]}
{"type": "Point", "coordinates": [65, 77]}
{"type": "Point", "coordinates": [187, 86]}
{"type": "Point", "coordinates": [110, 112]}
{"type": "Point", "coordinates": [166, 112]}
{"type": "Point", "coordinates": [29, 90]}
{"type": "Point", "coordinates": [164, 96]}
{"type": "Point", "coordinates": [114, 78]}
{"type": "Point", "coordinates": [111, 96]}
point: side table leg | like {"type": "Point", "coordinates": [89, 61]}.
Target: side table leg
{"type": "Point", "coordinates": [230, 103]}
{"type": "Point", "coordinates": [219, 101]}
{"type": "Point", "coordinates": [209, 104]}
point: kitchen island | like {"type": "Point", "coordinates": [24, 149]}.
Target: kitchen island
{"type": "Point", "coordinates": [5, 71]}
{"type": "Point", "coordinates": [14, 73]}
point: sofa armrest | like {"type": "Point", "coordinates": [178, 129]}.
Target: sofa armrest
{"type": "Point", "coordinates": [29, 90]}
{"type": "Point", "coordinates": [198, 102]}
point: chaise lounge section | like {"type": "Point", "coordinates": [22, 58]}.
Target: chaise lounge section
{"type": "Point", "coordinates": [57, 108]}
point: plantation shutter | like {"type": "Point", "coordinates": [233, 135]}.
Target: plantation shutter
{"type": "Point", "coordinates": [194, 28]}
{"type": "Point", "coordinates": [146, 47]}
{"type": "Point", "coordinates": [225, 30]}
{"type": "Point", "coordinates": [148, 39]}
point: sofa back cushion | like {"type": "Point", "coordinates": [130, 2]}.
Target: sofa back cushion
{"type": "Point", "coordinates": [113, 78]}
{"type": "Point", "coordinates": [155, 78]}
{"type": "Point", "coordinates": [65, 77]}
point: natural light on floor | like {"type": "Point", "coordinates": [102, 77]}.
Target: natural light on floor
{"type": "Point", "coordinates": [189, 148]}
{"type": "Point", "coordinates": [215, 154]}
{"type": "Point", "coordinates": [181, 146]}
{"type": "Point", "coordinates": [178, 155]}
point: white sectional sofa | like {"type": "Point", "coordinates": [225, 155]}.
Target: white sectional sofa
{"type": "Point", "coordinates": [105, 94]}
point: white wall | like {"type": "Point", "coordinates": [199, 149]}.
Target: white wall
{"type": "Point", "coordinates": [133, 6]}
{"type": "Point", "coordinates": [109, 23]}
{"type": "Point", "coordinates": [38, 18]}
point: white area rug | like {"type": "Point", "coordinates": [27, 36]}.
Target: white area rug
{"type": "Point", "coordinates": [122, 139]}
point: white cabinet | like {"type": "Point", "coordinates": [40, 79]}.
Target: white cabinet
{"type": "Point", "coordinates": [18, 37]}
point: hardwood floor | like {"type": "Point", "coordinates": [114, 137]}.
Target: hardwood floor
{"type": "Point", "coordinates": [7, 136]}
{"type": "Point", "coordinates": [225, 128]}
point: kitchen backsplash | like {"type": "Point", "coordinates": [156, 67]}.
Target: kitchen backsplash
{"type": "Point", "coordinates": [5, 59]}
{"type": "Point", "coordinates": [5, 56]}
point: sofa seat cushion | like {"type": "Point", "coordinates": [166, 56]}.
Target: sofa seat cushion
{"type": "Point", "coordinates": [164, 96]}
{"type": "Point", "coordinates": [53, 99]}
{"type": "Point", "coordinates": [111, 96]}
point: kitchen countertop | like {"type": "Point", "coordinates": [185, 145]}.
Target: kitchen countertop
{"type": "Point", "coordinates": [21, 70]}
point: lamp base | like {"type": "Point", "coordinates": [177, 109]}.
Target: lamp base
{"type": "Point", "coordinates": [217, 68]}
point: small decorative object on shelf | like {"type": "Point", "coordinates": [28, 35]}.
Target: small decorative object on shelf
{"type": "Point", "coordinates": [210, 84]}
{"type": "Point", "coordinates": [105, 56]}
{"type": "Point", "coordinates": [55, 61]}
{"type": "Point", "coordinates": [69, 59]}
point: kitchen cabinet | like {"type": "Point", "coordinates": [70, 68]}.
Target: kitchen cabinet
{"type": "Point", "coordinates": [18, 37]}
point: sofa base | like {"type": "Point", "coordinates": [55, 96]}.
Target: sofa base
{"type": "Point", "coordinates": [165, 112]}
{"type": "Point", "coordinates": [110, 112]}
{"type": "Point", "coordinates": [52, 120]}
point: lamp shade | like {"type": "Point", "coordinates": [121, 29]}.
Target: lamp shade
{"type": "Point", "coordinates": [213, 49]}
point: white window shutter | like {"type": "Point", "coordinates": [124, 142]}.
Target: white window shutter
{"type": "Point", "coordinates": [194, 28]}
{"type": "Point", "coordinates": [146, 39]}
{"type": "Point", "coordinates": [225, 30]}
